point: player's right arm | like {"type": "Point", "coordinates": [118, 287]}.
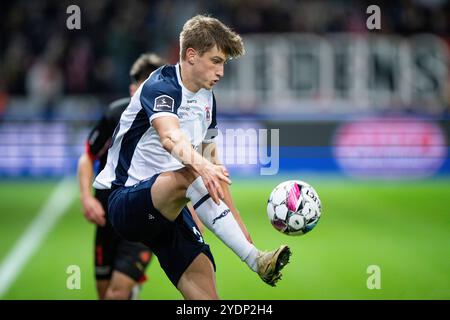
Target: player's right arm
{"type": "Point", "coordinates": [161, 99]}
{"type": "Point", "coordinates": [175, 141]}
{"type": "Point", "coordinates": [92, 208]}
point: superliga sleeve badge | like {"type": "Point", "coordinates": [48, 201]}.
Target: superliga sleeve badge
{"type": "Point", "coordinates": [164, 103]}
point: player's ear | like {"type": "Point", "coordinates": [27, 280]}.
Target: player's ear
{"type": "Point", "coordinates": [190, 55]}
{"type": "Point", "coordinates": [133, 87]}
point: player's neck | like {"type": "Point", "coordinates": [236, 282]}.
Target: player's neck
{"type": "Point", "coordinates": [187, 79]}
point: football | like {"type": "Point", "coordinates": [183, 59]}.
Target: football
{"type": "Point", "coordinates": [294, 207]}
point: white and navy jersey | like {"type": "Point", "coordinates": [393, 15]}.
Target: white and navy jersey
{"type": "Point", "coordinates": [137, 153]}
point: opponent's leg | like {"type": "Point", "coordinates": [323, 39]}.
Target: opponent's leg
{"type": "Point", "coordinates": [198, 281]}
{"type": "Point", "coordinates": [120, 287]}
{"type": "Point", "coordinates": [130, 262]}
{"type": "Point", "coordinates": [105, 244]}
{"type": "Point", "coordinates": [102, 287]}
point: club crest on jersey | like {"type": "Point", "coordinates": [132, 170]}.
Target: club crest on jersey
{"type": "Point", "coordinates": [163, 103]}
{"type": "Point", "coordinates": [208, 113]}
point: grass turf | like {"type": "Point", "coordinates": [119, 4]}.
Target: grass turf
{"type": "Point", "coordinates": [402, 227]}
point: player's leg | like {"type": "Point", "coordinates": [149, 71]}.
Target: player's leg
{"type": "Point", "coordinates": [120, 264]}
{"type": "Point", "coordinates": [106, 242]}
{"type": "Point", "coordinates": [198, 281]}
{"type": "Point", "coordinates": [178, 244]}
{"type": "Point", "coordinates": [130, 263]}
{"type": "Point", "coordinates": [184, 256]}
{"type": "Point", "coordinates": [120, 287]}
{"type": "Point", "coordinates": [172, 190]}
{"type": "Point", "coordinates": [168, 192]}
{"type": "Point", "coordinates": [102, 287]}
{"type": "Point", "coordinates": [104, 252]}
{"type": "Point", "coordinates": [147, 209]}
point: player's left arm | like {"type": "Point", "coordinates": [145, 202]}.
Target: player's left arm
{"type": "Point", "coordinates": [209, 151]}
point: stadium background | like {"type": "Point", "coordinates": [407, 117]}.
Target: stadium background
{"type": "Point", "coordinates": [362, 115]}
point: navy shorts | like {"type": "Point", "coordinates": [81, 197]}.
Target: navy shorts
{"type": "Point", "coordinates": [176, 244]}
{"type": "Point", "coordinates": [113, 253]}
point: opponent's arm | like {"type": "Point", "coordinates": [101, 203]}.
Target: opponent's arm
{"type": "Point", "coordinates": [175, 141]}
{"type": "Point", "coordinates": [92, 208]}
{"type": "Point", "coordinates": [209, 151]}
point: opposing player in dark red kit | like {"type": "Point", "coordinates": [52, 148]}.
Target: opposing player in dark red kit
{"type": "Point", "coordinates": [119, 264]}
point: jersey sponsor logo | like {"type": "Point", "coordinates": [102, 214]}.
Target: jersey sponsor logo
{"type": "Point", "coordinates": [220, 216]}
{"type": "Point", "coordinates": [183, 111]}
{"type": "Point", "coordinates": [184, 108]}
{"type": "Point", "coordinates": [164, 103]}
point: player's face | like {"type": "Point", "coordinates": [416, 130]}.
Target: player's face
{"type": "Point", "coordinates": [209, 68]}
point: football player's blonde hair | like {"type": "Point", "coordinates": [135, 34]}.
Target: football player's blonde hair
{"type": "Point", "coordinates": [202, 33]}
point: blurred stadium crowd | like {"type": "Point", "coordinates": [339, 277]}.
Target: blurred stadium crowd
{"type": "Point", "coordinates": [310, 65]}
{"type": "Point", "coordinates": [36, 44]}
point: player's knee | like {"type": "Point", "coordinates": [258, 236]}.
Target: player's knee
{"type": "Point", "coordinates": [186, 176]}
{"type": "Point", "coordinates": [118, 293]}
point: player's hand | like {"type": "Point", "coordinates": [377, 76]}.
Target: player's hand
{"type": "Point", "coordinates": [93, 211]}
{"type": "Point", "coordinates": [212, 175]}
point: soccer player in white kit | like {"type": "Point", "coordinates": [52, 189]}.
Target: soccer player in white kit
{"type": "Point", "coordinates": [154, 168]}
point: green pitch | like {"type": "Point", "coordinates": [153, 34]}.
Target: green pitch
{"type": "Point", "coordinates": [402, 228]}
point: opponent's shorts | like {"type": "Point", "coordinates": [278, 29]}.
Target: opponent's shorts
{"type": "Point", "coordinates": [176, 244]}
{"type": "Point", "coordinates": [114, 253]}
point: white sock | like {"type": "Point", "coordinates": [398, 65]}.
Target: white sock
{"type": "Point", "coordinates": [135, 292]}
{"type": "Point", "coordinates": [220, 221]}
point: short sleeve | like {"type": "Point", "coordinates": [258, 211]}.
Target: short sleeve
{"type": "Point", "coordinates": [160, 99]}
